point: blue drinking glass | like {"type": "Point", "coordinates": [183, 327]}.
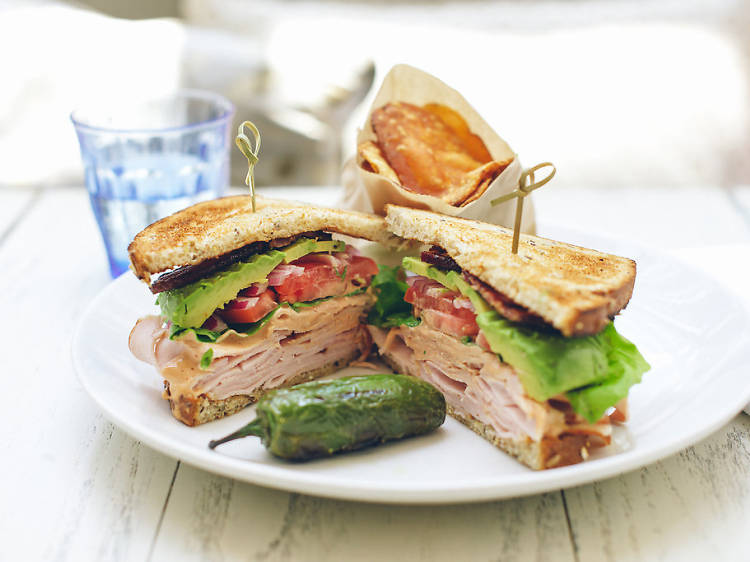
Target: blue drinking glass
{"type": "Point", "coordinates": [146, 160]}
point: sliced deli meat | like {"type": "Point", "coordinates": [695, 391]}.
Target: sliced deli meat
{"type": "Point", "coordinates": [291, 347]}
{"type": "Point", "coordinates": [480, 388]}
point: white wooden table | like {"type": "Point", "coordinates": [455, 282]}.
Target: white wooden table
{"type": "Point", "coordinates": [74, 487]}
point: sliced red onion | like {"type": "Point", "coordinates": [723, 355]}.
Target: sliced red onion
{"type": "Point", "coordinates": [482, 341]}
{"type": "Point", "coordinates": [279, 275]}
{"type": "Point", "coordinates": [254, 290]}
{"type": "Point", "coordinates": [214, 323]}
{"type": "Point", "coordinates": [241, 303]}
{"type": "Point", "coordinates": [352, 251]}
{"type": "Point", "coordinates": [462, 302]}
{"type": "Point", "coordinates": [436, 290]}
{"type": "Point", "coordinates": [321, 258]}
{"type": "Point", "coordinates": [412, 278]}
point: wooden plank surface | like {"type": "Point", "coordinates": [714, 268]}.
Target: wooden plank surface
{"type": "Point", "coordinates": [14, 204]}
{"type": "Point", "coordinates": [78, 488]}
{"type": "Point", "coordinates": [693, 505]}
{"type": "Point", "coordinates": [690, 506]}
{"type": "Point", "coordinates": [74, 487]}
{"type": "Point", "coordinates": [740, 197]}
{"type": "Point", "coordinates": [232, 520]}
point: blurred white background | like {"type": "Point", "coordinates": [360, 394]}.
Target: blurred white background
{"type": "Point", "coordinates": [614, 92]}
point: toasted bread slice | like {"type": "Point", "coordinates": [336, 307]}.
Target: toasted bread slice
{"type": "Point", "coordinates": [576, 290]}
{"type": "Point", "coordinates": [214, 228]}
{"type": "Point", "coordinates": [552, 451]}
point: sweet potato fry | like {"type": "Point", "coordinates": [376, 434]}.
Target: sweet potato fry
{"type": "Point", "coordinates": [429, 150]}
{"type": "Point", "coordinates": [473, 144]}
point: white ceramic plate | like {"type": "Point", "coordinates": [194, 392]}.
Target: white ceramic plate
{"type": "Point", "coordinates": [694, 333]}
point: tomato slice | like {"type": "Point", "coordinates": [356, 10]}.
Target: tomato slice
{"type": "Point", "coordinates": [244, 310]}
{"type": "Point", "coordinates": [325, 275]}
{"type": "Point", "coordinates": [361, 269]}
{"type": "Point", "coordinates": [483, 343]}
{"type": "Point", "coordinates": [444, 310]}
{"type": "Point", "coordinates": [318, 280]}
{"type": "Point", "coordinates": [311, 277]}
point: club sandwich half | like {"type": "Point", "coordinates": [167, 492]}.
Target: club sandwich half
{"type": "Point", "coordinates": [251, 301]}
{"type": "Point", "coordinates": [523, 346]}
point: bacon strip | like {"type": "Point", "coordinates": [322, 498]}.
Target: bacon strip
{"type": "Point", "coordinates": [438, 257]}
{"type": "Point", "coordinates": [505, 306]}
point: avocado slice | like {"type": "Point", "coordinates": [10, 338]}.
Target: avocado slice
{"type": "Point", "coordinates": [547, 363]}
{"type": "Point", "coordinates": [305, 246]}
{"type": "Point", "coordinates": [595, 371]}
{"type": "Point", "coordinates": [190, 306]}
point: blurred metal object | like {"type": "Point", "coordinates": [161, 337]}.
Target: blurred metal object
{"type": "Point", "coordinates": [340, 100]}
{"type": "Point", "coordinates": [303, 141]}
{"type": "Point", "coordinates": [321, 122]}
{"type": "Point", "coordinates": [338, 104]}
{"type": "Point", "coordinates": [301, 119]}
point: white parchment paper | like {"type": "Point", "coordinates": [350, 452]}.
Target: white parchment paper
{"type": "Point", "coordinates": [367, 191]}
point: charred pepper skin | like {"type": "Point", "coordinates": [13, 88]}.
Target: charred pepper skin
{"type": "Point", "coordinates": [322, 418]}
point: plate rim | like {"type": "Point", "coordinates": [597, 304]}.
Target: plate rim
{"type": "Point", "coordinates": [486, 489]}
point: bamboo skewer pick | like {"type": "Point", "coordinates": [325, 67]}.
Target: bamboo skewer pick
{"type": "Point", "coordinates": [250, 152]}
{"type": "Point", "coordinates": [526, 185]}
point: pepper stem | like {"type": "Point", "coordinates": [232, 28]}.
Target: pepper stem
{"type": "Point", "coordinates": [253, 428]}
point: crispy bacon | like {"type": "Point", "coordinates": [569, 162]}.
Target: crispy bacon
{"type": "Point", "coordinates": [438, 257]}
{"type": "Point", "coordinates": [504, 305]}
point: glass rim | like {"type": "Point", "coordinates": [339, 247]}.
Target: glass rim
{"type": "Point", "coordinates": [228, 110]}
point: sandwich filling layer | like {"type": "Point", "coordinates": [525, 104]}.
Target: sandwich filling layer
{"type": "Point", "coordinates": [592, 372]}
{"type": "Point", "coordinates": [477, 384]}
{"type": "Point", "coordinates": [259, 323]}
{"type": "Point", "coordinates": [522, 379]}
{"type": "Point", "coordinates": [290, 342]}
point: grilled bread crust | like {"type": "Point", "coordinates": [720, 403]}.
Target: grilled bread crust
{"type": "Point", "coordinates": [214, 228]}
{"type": "Point", "coordinates": [551, 452]}
{"type": "Point", "coordinates": [574, 289]}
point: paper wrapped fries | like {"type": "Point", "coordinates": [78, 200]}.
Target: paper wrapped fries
{"type": "Point", "coordinates": [424, 146]}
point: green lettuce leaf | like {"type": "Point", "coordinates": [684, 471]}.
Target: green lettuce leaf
{"type": "Point", "coordinates": [209, 336]}
{"type": "Point", "coordinates": [206, 358]}
{"type": "Point", "coordinates": [595, 371]}
{"type": "Point", "coordinates": [296, 306]}
{"type": "Point", "coordinates": [390, 309]}
{"type": "Point", "coordinates": [626, 367]}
